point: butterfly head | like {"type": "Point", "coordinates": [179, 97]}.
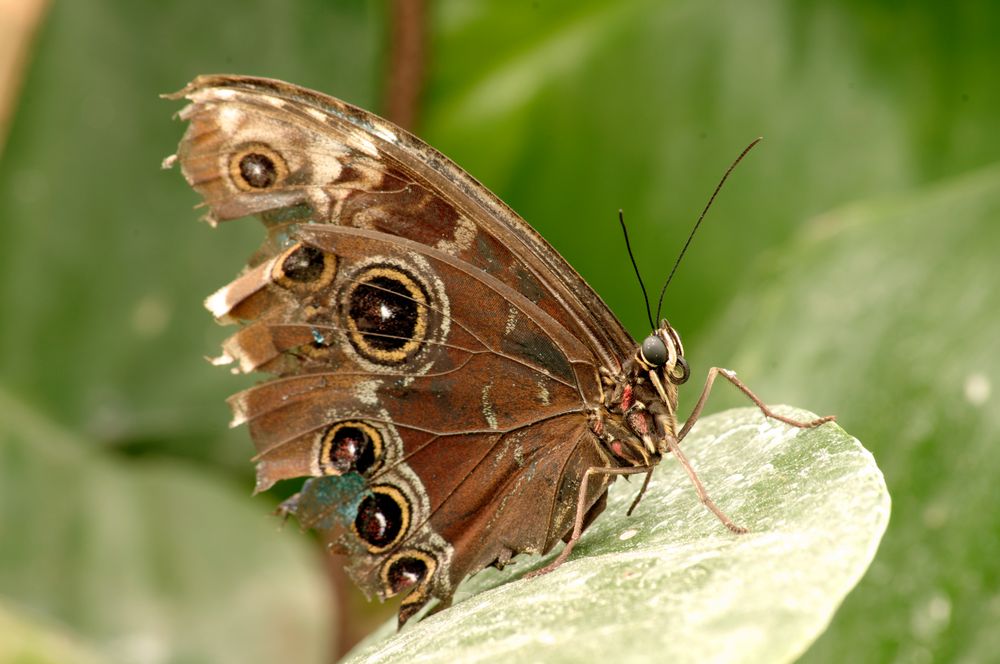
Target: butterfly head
{"type": "Point", "coordinates": [662, 350]}
{"type": "Point", "coordinates": [646, 397]}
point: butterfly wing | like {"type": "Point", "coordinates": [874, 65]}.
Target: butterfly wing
{"type": "Point", "coordinates": [436, 360]}
{"type": "Point", "coordinates": [333, 162]}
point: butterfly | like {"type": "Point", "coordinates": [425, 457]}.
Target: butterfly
{"type": "Point", "coordinates": [455, 391]}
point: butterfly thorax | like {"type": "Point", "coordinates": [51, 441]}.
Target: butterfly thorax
{"type": "Point", "coordinates": [639, 407]}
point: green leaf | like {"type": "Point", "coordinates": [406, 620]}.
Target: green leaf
{"type": "Point", "coordinates": [25, 639]}
{"type": "Point", "coordinates": [887, 313]}
{"type": "Point", "coordinates": [150, 562]}
{"type": "Point", "coordinates": [571, 109]}
{"type": "Point", "coordinates": [671, 583]}
{"type": "Point", "coordinates": [102, 256]}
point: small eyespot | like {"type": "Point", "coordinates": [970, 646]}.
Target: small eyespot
{"type": "Point", "coordinates": [258, 170]}
{"type": "Point", "coordinates": [654, 351]}
{"type": "Point", "coordinates": [257, 167]}
{"type": "Point", "coordinates": [383, 518]}
{"type": "Point", "coordinates": [304, 269]}
{"type": "Point", "coordinates": [407, 569]}
{"type": "Point", "coordinates": [349, 446]}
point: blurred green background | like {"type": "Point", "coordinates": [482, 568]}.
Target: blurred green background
{"type": "Point", "coordinates": [850, 266]}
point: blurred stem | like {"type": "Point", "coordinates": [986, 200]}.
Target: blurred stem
{"type": "Point", "coordinates": [345, 635]}
{"type": "Point", "coordinates": [357, 617]}
{"type": "Point", "coordinates": [406, 62]}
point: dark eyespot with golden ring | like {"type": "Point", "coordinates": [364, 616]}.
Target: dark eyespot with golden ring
{"type": "Point", "coordinates": [349, 446]}
{"type": "Point", "coordinates": [257, 167]}
{"type": "Point", "coordinates": [304, 269]}
{"type": "Point", "coordinates": [383, 518]}
{"type": "Point", "coordinates": [406, 569]}
{"type": "Point", "coordinates": [386, 314]}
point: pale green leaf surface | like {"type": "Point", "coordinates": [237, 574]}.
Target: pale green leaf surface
{"type": "Point", "coordinates": [885, 312]}
{"type": "Point", "coordinates": [671, 583]}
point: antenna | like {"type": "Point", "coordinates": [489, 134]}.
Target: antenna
{"type": "Point", "coordinates": [718, 187]}
{"type": "Point", "coordinates": [635, 266]}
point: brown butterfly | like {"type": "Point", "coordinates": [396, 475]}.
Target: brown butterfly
{"type": "Point", "coordinates": [456, 389]}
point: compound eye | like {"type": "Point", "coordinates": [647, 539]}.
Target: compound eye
{"type": "Point", "coordinates": [654, 351]}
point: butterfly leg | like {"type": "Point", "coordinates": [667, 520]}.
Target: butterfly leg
{"type": "Point", "coordinates": [673, 444]}
{"type": "Point", "coordinates": [675, 449]}
{"type": "Point", "coordinates": [642, 492]}
{"type": "Point", "coordinates": [731, 377]}
{"type": "Point", "coordinates": [581, 512]}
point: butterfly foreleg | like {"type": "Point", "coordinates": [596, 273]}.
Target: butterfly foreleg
{"type": "Point", "coordinates": [581, 512]}
{"type": "Point", "coordinates": [700, 488]}
{"type": "Point", "coordinates": [731, 377]}
{"type": "Point", "coordinates": [673, 443]}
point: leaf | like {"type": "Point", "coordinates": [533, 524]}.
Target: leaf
{"type": "Point", "coordinates": [24, 639]}
{"type": "Point", "coordinates": [671, 583]}
{"type": "Point", "coordinates": [149, 562]}
{"type": "Point", "coordinates": [573, 108]}
{"type": "Point", "coordinates": [887, 313]}
{"type": "Point", "coordinates": [102, 255]}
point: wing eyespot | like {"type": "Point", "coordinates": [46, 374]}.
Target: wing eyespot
{"type": "Point", "coordinates": [257, 167]}
{"type": "Point", "coordinates": [350, 446]}
{"type": "Point", "coordinates": [383, 518]}
{"type": "Point", "coordinates": [304, 269]}
{"type": "Point", "coordinates": [411, 568]}
{"type": "Point", "coordinates": [385, 310]}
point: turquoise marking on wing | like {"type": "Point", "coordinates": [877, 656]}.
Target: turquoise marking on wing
{"type": "Point", "coordinates": [331, 502]}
